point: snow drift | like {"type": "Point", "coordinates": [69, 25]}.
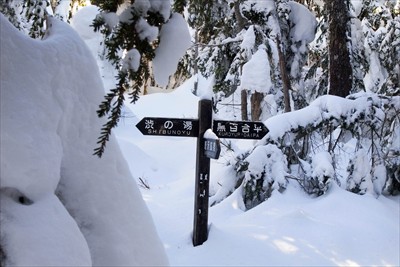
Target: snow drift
{"type": "Point", "coordinates": [61, 206]}
{"type": "Point", "coordinates": [291, 228]}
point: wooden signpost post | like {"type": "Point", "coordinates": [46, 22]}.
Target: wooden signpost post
{"type": "Point", "coordinates": [200, 220]}
{"type": "Point", "coordinates": [206, 148]}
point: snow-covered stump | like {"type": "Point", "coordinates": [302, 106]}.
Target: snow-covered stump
{"type": "Point", "coordinates": [61, 206]}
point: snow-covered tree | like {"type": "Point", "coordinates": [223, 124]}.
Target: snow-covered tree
{"type": "Point", "coordinates": [128, 40]}
{"type": "Point", "coordinates": [132, 35]}
{"type": "Point", "coordinates": [133, 31]}
{"type": "Point", "coordinates": [30, 15]}
{"type": "Point", "coordinates": [8, 9]}
{"type": "Point", "coordinates": [246, 28]}
{"type": "Point", "coordinates": [381, 47]}
{"type": "Point", "coordinates": [372, 45]}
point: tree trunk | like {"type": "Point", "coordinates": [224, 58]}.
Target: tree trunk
{"type": "Point", "coordinates": [245, 117]}
{"type": "Point", "coordinates": [196, 55]}
{"type": "Point", "coordinates": [285, 76]}
{"type": "Point", "coordinates": [239, 18]}
{"type": "Point", "coordinates": [255, 100]}
{"type": "Point", "coordinates": [340, 70]}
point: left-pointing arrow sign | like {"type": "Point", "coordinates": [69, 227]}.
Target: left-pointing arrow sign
{"type": "Point", "coordinates": [169, 127]}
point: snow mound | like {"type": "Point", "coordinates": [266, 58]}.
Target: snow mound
{"type": "Point", "coordinates": [61, 206]}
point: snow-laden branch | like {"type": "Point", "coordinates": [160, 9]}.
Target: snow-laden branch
{"type": "Point", "coordinates": [226, 41]}
{"type": "Point", "coordinates": [335, 110]}
{"type": "Point", "coordinates": [369, 118]}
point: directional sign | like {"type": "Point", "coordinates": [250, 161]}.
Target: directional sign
{"type": "Point", "coordinates": [212, 148]}
{"type": "Point", "coordinates": [169, 127]}
{"type": "Point", "coordinates": [207, 148]}
{"type": "Point", "coordinates": [239, 129]}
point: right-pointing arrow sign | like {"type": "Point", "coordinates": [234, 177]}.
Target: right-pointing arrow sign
{"type": "Point", "coordinates": [239, 129]}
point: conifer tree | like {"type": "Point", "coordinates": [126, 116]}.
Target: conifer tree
{"type": "Point", "coordinates": [225, 54]}
{"type": "Point", "coordinates": [212, 24]}
{"type": "Point", "coordinates": [29, 16]}
{"type": "Point", "coordinates": [372, 48]}
{"type": "Point", "coordinates": [379, 24]}
{"type": "Point", "coordinates": [340, 70]}
{"type": "Point", "coordinates": [8, 9]}
{"type": "Point", "coordinates": [130, 42]}
{"type": "Point", "coordinates": [35, 12]}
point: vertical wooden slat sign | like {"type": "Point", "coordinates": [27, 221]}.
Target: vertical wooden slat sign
{"type": "Point", "coordinates": [200, 222]}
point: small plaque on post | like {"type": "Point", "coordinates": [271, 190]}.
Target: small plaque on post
{"type": "Point", "coordinates": [212, 146]}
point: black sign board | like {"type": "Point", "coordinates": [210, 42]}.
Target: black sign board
{"type": "Point", "coordinates": [169, 127]}
{"type": "Point", "coordinates": [212, 148]}
{"type": "Point", "coordinates": [239, 129]}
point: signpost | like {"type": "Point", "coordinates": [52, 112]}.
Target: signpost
{"type": "Point", "coordinates": [206, 148]}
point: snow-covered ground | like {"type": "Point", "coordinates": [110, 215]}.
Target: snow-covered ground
{"type": "Point", "coordinates": [62, 206]}
{"type": "Point", "coordinates": [289, 229]}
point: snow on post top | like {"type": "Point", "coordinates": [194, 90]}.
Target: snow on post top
{"type": "Point", "coordinates": [209, 134]}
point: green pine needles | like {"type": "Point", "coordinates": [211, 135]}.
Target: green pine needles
{"type": "Point", "coordinates": [130, 54]}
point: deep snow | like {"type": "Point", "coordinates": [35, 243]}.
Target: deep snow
{"type": "Point", "coordinates": [289, 229]}
{"type": "Point", "coordinates": [60, 205]}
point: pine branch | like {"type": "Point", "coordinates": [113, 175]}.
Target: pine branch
{"type": "Point", "coordinates": [118, 39]}
{"type": "Point", "coordinates": [115, 112]}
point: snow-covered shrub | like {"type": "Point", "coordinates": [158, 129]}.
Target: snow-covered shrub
{"type": "Point", "coordinates": [234, 174]}
{"type": "Point", "coordinates": [392, 158]}
{"type": "Point", "coordinates": [359, 170]}
{"type": "Point", "coordinates": [322, 173]}
{"type": "Point", "coordinates": [354, 142]}
{"type": "Point", "coordinates": [367, 120]}
{"type": "Point", "coordinates": [392, 185]}
{"type": "Point", "coordinates": [9, 11]}
{"type": "Point", "coordinates": [266, 171]}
